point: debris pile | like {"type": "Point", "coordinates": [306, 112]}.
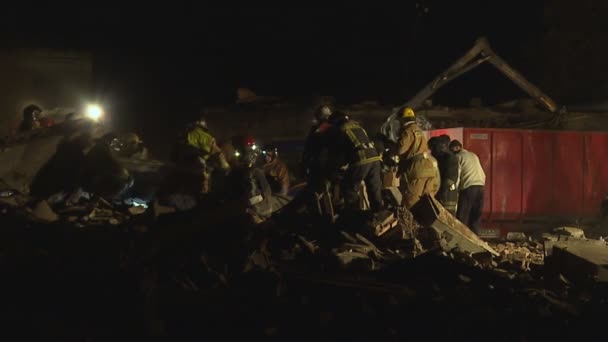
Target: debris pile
{"type": "Point", "coordinates": [193, 274]}
{"type": "Point", "coordinates": [522, 255]}
{"type": "Point", "coordinates": [79, 210]}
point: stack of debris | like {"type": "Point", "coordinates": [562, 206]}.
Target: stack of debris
{"type": "Point", "coordinates": [80, 210]}
{"type": "Point", "coordinates": [299, 275]}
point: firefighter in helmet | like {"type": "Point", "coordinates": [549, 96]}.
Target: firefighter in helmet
{"type": "Point", "coordinates": [416, 165]}
{"type": "Point", "coordinates": [354, 156]}
{"type": "Point", "coordinates": [198, 148]}
{"type": "Point", "coordinates": [275, 170]}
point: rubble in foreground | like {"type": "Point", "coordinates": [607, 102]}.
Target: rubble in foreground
{"type": "Point", "coordinates": [200, 273]}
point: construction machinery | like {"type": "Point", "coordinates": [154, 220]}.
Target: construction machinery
{"type": "Point", "coordinates": [479, 54]}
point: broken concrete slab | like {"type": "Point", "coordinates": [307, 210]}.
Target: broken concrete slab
{"type": "Point", "coordinates": [583, 264]}
{"type": "Point", "coordinates": [430, 213]}
{"type": "Point", "coordinates": [568, 241]}
{"type": "Point", "coordinates": [570, 231]}
{"type": "Point", "coordinates": [386, 222]}
{"type": "Point", "coordinates": [549, 237]}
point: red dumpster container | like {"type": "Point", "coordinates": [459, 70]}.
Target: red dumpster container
{"type": "Point", "coordinates": [538, 175]}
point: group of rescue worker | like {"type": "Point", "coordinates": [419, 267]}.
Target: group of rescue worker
{"type": "Point", "coordinates": [453, 175]}
{"type": "Point", "coordinates": [233, 169]}
{"type": "Point", "coordinates": [339, 152]}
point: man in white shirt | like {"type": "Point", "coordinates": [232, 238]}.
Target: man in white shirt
{"type": "Point", "coordinates": [472, 182]}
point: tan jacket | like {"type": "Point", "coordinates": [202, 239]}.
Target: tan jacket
{"type": "Point", "coordinates": [411, 141]}
{"type": "Point", "coordinates": [278, 176]}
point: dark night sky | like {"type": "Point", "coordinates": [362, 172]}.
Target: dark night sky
{"type": "Point", "coordinates": [177, 56]}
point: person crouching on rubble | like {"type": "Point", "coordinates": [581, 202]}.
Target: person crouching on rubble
{"type": "Point", "coordinates": [448, 170]}
{"type": "Point", "coordinates": [248, 188]}
{"type": "Point", "coordinates": [355, 160]}
{"type": "Point", "coordinates": [129, 146]}
{"type": "Point", "coordinates": [275, 170]}
{"type": "Point", "coordinates": [418, 168]}
{"type": "Point", "coordinates": [198, 149]}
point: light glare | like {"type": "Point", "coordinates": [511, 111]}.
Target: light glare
{"type": "Point", "coordinates": [94, 112]}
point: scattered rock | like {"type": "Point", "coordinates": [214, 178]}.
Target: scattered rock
{"type": "Point", "coordinates": [42, 211]}
{"type": "Point", "coordinates": [570, 231]}
{"type": "Point", "coordinates": [516, 236]}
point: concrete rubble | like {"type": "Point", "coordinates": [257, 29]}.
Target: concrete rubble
{"type": "Point", "coordinates": [288, 276]}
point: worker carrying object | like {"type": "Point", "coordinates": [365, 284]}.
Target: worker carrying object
{"type": "Point", "coordinates": [448, 170]}
{"type": "Point", "coordinates": [275, 170]}
{"type": "Point", "coordinates": [354, 158]}
{"type": "Point", "coordinates": [418, 167]}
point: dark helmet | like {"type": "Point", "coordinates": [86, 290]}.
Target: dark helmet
{"type": "Point", "coordinates": [338, 117]}
{"type": "Point", "coordinates": [202, 122]}
{"type": "Point", "coordinates": [271, 150]}
{"type": "Point", "coordinates": [28, 112]}
{"type": "Point", "coordinates": [445, 139]}
{"type": "Point", "coordinates": [323, 113]}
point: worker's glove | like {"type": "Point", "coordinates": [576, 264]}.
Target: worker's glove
{"type": "Point", "coordinates": [392, 160]}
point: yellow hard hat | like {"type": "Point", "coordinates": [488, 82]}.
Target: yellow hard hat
{"type": "Point", "coordinates": [407, 113]}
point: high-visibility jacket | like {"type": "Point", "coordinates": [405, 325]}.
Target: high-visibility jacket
{"type": "Point", "coordinates": [200, 139]}
{"type": "Point", "coordinates": [361, 148]}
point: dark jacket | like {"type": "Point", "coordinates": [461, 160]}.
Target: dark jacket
{"type": "Point", "coordinates": [247, 183]}
{"type": "Point", "coordinates": [313, 162]}
{"type": "Point", "coordinates": [349, 144]}
{"type": "Point", "coordinates": [448, 169]}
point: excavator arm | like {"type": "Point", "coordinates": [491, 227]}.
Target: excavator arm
{"type": "Point", "coordinates": [480, 53]}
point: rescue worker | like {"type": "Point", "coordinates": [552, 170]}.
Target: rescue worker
{"type": "Point", "coordinates": [102, 174]}
{"type": "Point", "coordinates": [417, 166]}
{"type": "Point", "coordinates": [448, 170]}
{"type": "Point", "coordinates": [313, 167]}
{"type": "Point", "coordinates": [198, 148]}
{"type": "Point", "coordinates": [130, 146]}
{"type": "Point", "coordinates": [31, 116]}
{"type": "Point", "coordinates": [248, 187]}
{"type": "Point", "coordinates": [312, 158]}
{"type": "Point", "coordinates": [418, 170]}
{"type": "Point", "coordinates": [472, 182]}
{"type": "Point", "coordinates": [353, 154]}
{"type": "Point", "coordinates": [276, 171]}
